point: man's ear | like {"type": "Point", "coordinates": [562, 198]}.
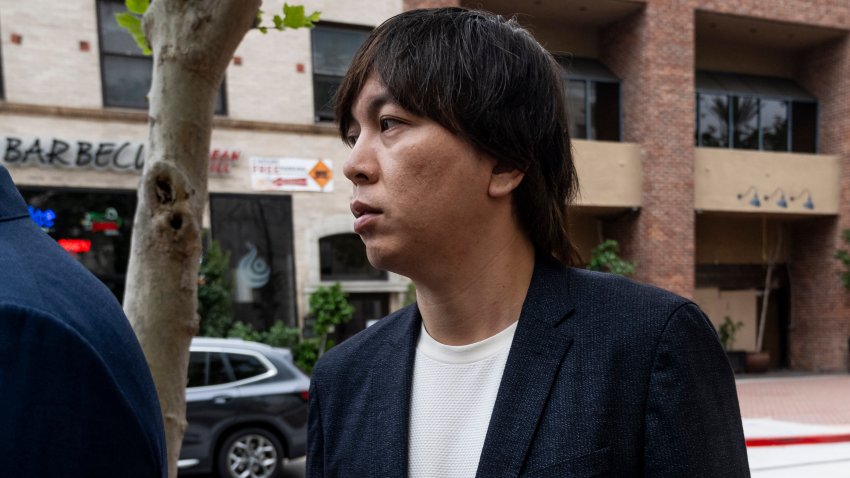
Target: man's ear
{"type": "Point", "coordinates": [504, 180]}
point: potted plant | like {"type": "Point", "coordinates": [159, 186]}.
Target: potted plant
{"type": "Point", "coordinates": [727, 333]}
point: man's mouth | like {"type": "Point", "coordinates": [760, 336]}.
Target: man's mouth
{"type": "Point", "coordinates": [359, 208]}
{"type": "Point", "coordinates": [364, 214]}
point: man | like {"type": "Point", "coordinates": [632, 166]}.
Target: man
{"type": "Point", "coordinates": [76, 396]}
{"type": "Point", "coordinates": [510, 363]}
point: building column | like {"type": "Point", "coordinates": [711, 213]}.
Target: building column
{"type": "Point", "coordinates": [820, 306]}
{"type": "Point", "coordinates": [652, 51]}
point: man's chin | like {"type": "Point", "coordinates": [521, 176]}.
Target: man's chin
{"type": "Point", "coordinates": [384, 258]}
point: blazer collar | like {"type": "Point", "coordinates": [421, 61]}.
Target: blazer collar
{"type": "Point", "coordinates": [391, 380]}
{"type": "Point", "coordinates": [540, 344]}
{"type": "Point", "coordinates": [12, 205]}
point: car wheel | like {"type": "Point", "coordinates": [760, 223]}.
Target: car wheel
{"type": "Point", "coordinates": [251, 453]}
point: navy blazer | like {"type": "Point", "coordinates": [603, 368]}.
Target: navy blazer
{"type": "Point", "coordinates": [76, 395]}
{"type": "Point", "coordinates": [605, 377]}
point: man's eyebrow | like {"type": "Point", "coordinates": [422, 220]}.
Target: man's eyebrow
{"type": "Point", "coordinates": [378, 101]}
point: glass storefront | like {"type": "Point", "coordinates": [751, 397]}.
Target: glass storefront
{"type": "Point", "coordinates": [257, 231]}
{"type": "Point", "coordinates": [94, 226]}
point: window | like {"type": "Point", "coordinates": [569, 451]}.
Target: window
{"type": "Point", "coordinates": [207, 368]}
{"type": "Point", "coordinates": [593, 100]}
{"type": "Point", "coordinates": [333, 47]}
{"type": "Point", "coordinates": [257, 232]}
{"type": "Point", "coordinates": [125, 71]}
{"type": "Point", "coordinates": [197, 369]}
{"type": "Point", "coordinates": [713, 121]}
{"type": "Point", "coordinates": [216, 369]}
{"type": "Point", "coordinates": [94, 226]}
{"type": "Point", "coordinates": [245, 366]}
{"type": "Point", "coordinates": [757, 113]}
{"type": "Point", "coordinates": [343, 257]}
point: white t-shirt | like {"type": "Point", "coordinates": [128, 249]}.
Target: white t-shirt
{"type": "Point", "coordinates": [454, 390]}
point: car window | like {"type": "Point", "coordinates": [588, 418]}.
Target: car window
{"type": "Point", "coordinates": [245, 366]}
{"type": "Point", "coordinates": [197, 366]}
{"type": "Point", "coordinates": [217, 370]}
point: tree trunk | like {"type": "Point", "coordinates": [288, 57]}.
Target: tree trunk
{"type": "Point", "coordinates": [192, 42]}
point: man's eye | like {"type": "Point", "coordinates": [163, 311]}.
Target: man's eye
{"type": "Point", "coordinates": [351, 140]}
{"type": "Point", "coordinates": [387, 123]}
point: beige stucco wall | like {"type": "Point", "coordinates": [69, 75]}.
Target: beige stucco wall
{"type": "Point", "coordinates": [609, 174]}
{"type": "Point", "coordinates": [267, 86]}
{"type": "Point", "coordinates": [721, 175]}
{"type": "Point", "coordinates": [48, 68]}
{"type": "Point", "coordinates": [738, 305]}
{"type": "Point", "coordinates": [315, 214]}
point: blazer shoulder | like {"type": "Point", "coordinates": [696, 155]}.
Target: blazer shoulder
{"type": "Point", "coordinates": [589, 287]}
{"type": "Point", "coordinates": [624, 307]}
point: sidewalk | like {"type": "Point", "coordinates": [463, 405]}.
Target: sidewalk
{"type": "Point", "coordinates": [797, 425]}
{"type": "Point", "coordinates": [809, 399]}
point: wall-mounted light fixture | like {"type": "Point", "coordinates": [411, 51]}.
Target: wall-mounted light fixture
{"type": "Point", "coordinates": [808, 204]}
{"type": "Point", "coordinates": [781, 202]}
{"type": "Point", "coordinates": [755, 202]}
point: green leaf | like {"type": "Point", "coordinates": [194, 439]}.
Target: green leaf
{"type": "Point", "coordinates": [278, 22]}
{"type": "Point", "coordinates": [133, 25]}
{"type": "Point", "coordinates": [138, 7]}
{"type": "Point", "coordinates": [294, 17]}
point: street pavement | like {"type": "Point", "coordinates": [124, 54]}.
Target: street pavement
{"type": "Point", "coordinates": [812, 412]}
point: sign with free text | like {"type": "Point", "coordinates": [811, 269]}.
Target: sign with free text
{"type": "Point", "coordinates": [291, 174]}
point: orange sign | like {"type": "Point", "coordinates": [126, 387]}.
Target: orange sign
{"type": "Point", "coordinates": [321, 174]}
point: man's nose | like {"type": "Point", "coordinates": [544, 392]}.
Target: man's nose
{"type": "Point", "coordinates": [361, 166]}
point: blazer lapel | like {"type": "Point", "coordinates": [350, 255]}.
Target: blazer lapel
{"type": "Point", "coordinates": [539, 347]}
{"type": "Point", "coordinates": [391, 380]}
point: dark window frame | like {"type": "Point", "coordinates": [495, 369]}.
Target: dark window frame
{"type": "Point", "coordinates": [290, 250]}
{"type": "Point", "coordinates": [590, 81]}
{"type": "Point", "coordinates": [730, 131]}
{"type": "Point", "coordinates": [227, 356]}
{"type": "Point", "coordinates": [222, 93]}
{"type": "Point", "coordinates": [346, 276]}
{"type": "Point", "coordinates": [321, 115]}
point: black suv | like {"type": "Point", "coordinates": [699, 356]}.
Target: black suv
{"type": "Point", "coordinates": [246, 404]}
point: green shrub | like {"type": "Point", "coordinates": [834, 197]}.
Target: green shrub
{"type": "Point", "coordinates": [727, 332]}
{"type": "Point", "coordinates": [605, 257]}
{"type": "Point", "coordinates": [214, 289]}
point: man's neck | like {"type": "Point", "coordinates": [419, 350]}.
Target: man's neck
{"type": "Point", "coordinates": [479, 296]}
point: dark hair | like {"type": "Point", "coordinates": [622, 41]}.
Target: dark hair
{"type": "Point", "coordinates": [486, 79]}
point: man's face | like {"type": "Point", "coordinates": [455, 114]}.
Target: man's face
{"type": "Point", "coordinates": [420, 192]}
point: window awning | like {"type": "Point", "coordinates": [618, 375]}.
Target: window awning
{"type": "Point", "coordinates": [586, 69]}
{"type": "Point", "coordinates": [748, 85]}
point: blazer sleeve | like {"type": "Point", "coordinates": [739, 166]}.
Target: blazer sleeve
{"type": "Point", "coordinates": [693, 422]}
{"type": "Point", "coordinates": [315, 433]}
{"type": "Point", "coordinates": [62, 413]}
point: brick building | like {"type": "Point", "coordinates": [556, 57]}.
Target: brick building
{"type": "Point", "coordinates": [711, 137]}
